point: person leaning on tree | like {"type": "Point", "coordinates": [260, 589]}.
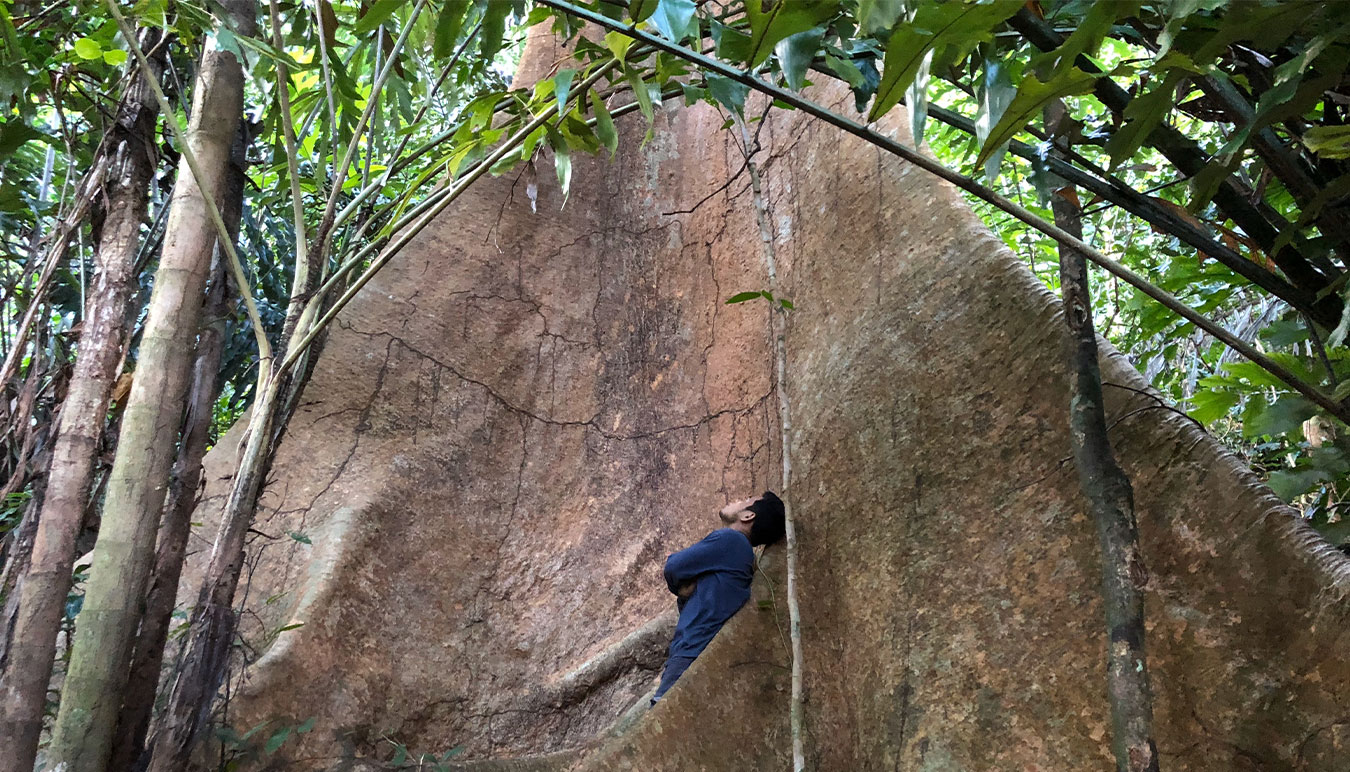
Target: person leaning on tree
{"type": "Point", "coordinates": [711, 579]}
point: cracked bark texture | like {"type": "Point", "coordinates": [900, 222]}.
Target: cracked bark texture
{"type": "Point", "coordinates": [514, 424]}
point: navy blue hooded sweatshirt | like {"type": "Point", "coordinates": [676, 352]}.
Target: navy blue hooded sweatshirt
{"type": "Point", "coordinates": [723, 565]}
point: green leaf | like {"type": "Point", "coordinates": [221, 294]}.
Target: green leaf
{"type": "Point", "coordinates": [275, 742]}
{"type": "Point", "coordinates": [916, 96]}
{"type": "Point", "coordinates": [741, 297]}
{"type": "Point", "coordinates": [13, 135]}
{"type": "Point", "coordinates": [115, 57]}
{"type": "Point", "coordinates": [1092, 27]}
{"type": "Point", "coordinates": [88, 48]}
{"type": "Point", "coordinates": [1287, 414]}
{"type": "Point", "coordinates": [996, 92]}
{"type": "Point", "coordinates": [1210, 405]}
{"type": "Point", "coordinates": [1328, 141]}
{"type": "Point", "coordinates": [781, 20]}
{"type": "Point", "coordinates": [728, 93]}
{"type": "Point", "coordinates": [1177, 13]}
{"type": "Point", "coordinates": [376, 15]}
{"type": "Point", "coordinates": [618, 44]}
{"type": "Point", "coordinates": [1142, 115]}
{"type": "Point", "coordinates": [562, 162]}
{"type": "Point", "coordinates": [731, 45]}
{"type": "Point", "coordinates": [934, 25]}
{"type": "Point", "coordinates": [493, 29]}
{"type": "Point", "coordinates": [305, 727]}
{"type": "Point", "coordinates": [448, 26]}
{"type": "Point", "coordinates": [604, 124]}
{"type": "Point", "coordinates": [1289, 484]}
{"type": "Point", "coordinates": [672, 18]}
{"type": "Point", "coordinates": [878, 16]}
{"type": "Point", "coordinates": [300, 537]}
{"type": "Point", "coordinates": [1253, 374]}
{"type": "Point", "coordinates": [562, 86]}
{"type": "Point", "coordinates": [1284, 333]}
{"type": "Point", "coordinates": [795, 53]}
{"type": "Point", "coordinates": [641, 94]}
{"type": "Point", "coordinates": [1032, 95]}
{"type": "Point", "coordinates": [640, 10]}
{"type": "Point", "coordinates": [401, 751]}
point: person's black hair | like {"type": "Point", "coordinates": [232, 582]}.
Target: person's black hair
{"type": "Point", "coordinates": [768, 526]}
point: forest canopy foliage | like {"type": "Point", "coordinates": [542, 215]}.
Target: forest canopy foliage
{"type": "Point", "coordinates": [1206, 147]}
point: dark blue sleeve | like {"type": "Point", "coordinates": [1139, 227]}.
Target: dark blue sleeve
{"type": "Point", "coordinates": [707, 555]}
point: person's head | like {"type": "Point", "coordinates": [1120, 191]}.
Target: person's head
{"type": "Point", "coordinates": [760, 518]}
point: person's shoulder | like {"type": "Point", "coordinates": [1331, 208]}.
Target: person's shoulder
{"type": "Point", "coordinates": [730, 536]}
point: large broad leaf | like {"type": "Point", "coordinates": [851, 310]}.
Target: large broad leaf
{"type": "Point", "coordinates": [604, 124]}
{"type": "Point", "coordinates": [562, 161]}
{"type": "Point", "coordinates": [1328, 141]}
{"type": "Point", "coordinates": [1092, 28]}
{"type": "Point", "coordinates": [730, 44]}
{"type": "Point", "coordinates": [1209, 405]}
{"type": "Point", "coordinates": [860, 74]}
{"type": "Point", "coordinates": [937, 24]}
{"type": "Point", "coordinates": [916, 96]}
{"type": "Point", "coordinates": [1289, 484]}
{"type": "Point", "coordinates": [494, 28]}
{"type": "Point", "coordinates": [562, 88]}
{"type": "Point", "coordinates": [641, 93]}
{"type": "Point", "coordinates": [1286, 414]}
{"type": "Point", "coordinates": [1032, 95]}
{"type": "Point", "coordinates": [782, 19]}
{"type": "Point", "coordinates": [672, 18]}
{"type": "Point", "coordinates": [14, 134]}
{"type": "Point", "coordinates": [996, 93]}
{"type": "Point", "coordinates": [876, 17]}
{"type": "Point", "coordinates": [376, 15]}
{"type": "Point", "coordinates": [795, 53]}
{"type": "Point", "coordinates": [640, 10]}
{"type": "Point", "coordinates": [728, 93]}
{"type": "Point", "coordinates": [448, 26]}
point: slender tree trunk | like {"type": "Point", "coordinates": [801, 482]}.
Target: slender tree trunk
{"type": "Point", "coordinates": [778, 329]}
{"type": "Point", "coordinates": [41, 591]}
{"type": "Point", "coordinates": [1111, 504]}
{"type": "Point", "coordinates": [136, 489]}
{"type": "Point", "coordinates": [211, 629]}
{"type": "Point", "coordinates": [138, 704]}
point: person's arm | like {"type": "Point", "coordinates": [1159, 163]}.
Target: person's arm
{"type": "Point", "coordinates": [685, 566]}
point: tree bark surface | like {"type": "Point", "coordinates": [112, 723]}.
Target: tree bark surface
{"type": "Point", "coordinates": [112, 607]}
{"type": "Point", "coordinates": [509, 430]}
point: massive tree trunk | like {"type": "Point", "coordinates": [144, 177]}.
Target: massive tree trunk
{"type": "Point", "coordinates": [112, 607]}
{"type": "Point", "coordinates": [510, 429]}
{"type": "Point", "coordinates": [43, 588]}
